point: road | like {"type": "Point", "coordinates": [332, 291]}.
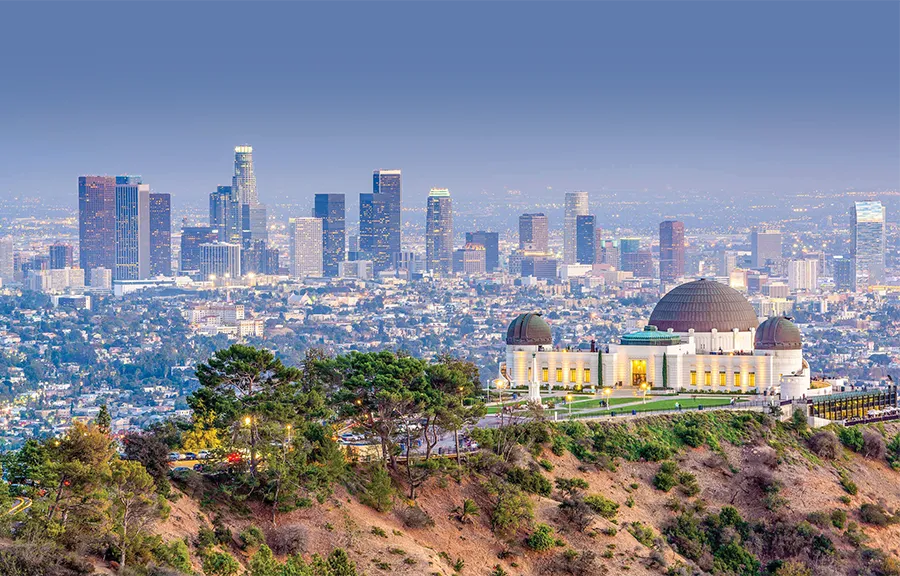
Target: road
{"type": "Point", "coordinates": [21, 504]}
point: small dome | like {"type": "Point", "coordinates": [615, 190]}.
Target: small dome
{"type": "Point", "coordinates": [704, 306]}
{"type": "Point", "coordinates": [529, 330]}
{"type": "Point", "coordinates": [778, 333]}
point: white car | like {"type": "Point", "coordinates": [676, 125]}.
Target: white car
{"type": "Point", "coordinates": [203, 454]}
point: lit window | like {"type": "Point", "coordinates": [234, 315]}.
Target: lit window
{"type": "Point", "coordinates": [559, 375]}
{"type": "Point", "coordinates": [545, 374]}
{"type": "Point", "coordinates": [721, 379]}
{"type": "Point", "coordinates": [587, 375]}
{"type": "Point", "coordinates": [573, 373]}
{"type": "Point", "coordinates": [707, 378]}
{"type": "Point", "coordinates": [693, 377]}
{"type": "Point", "coordinates": [737, 378]}
{"type": "Point", "coordinates": [752, 376]}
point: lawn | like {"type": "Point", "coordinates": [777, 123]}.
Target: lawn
{"type": "Point", "coordinates": [686, 404]}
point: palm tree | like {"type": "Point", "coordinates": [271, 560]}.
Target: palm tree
{"type": "Point", "coordinates": [467, 511]}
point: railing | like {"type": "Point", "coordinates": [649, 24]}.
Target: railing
{"type": "Point", "coordinates": [637, 413]}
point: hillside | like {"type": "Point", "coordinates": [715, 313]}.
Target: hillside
{"type": "Point", "coordinates": [810, 489]}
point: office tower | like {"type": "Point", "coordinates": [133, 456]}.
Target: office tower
{"type": "Point", "coordinates": [867, 243]}
{"type": "Point", "coordinates": [226, 215]}
{"type": "Point", "coordinates": [534, 233]}
{"type": "Point", "coordinates": [491, 243]}
{"type": "Point", "coordinates": [353, 252]}
{"type": "Point", "coordinates": [576, 205]}
{"type": "Point", "coordinates": [61, 256]}
{"type": "Point", "coordinates": [244, 180]}
{"type": "Point", "coordinates": [439, 232]}
{"type": "Point", "coordinates": [540, 267]}
{"type": "Point", "coordinates": [728, 261]}
{"type": "Point", "coordinates": [585, 249]}
{"type": "Point", "coordinates": [843, 272]}
{"type": "Point", "coordinates": [7, 260]}
{"type": "Point", "coordinates": [356, 269]}
{"type": "Point", "coordinates": [639, 263]}
{"type": "Point", "coordinates": [96, 222]}
{"type": "Point", "coordinates": [379, 218]}
{"type": "Point", "coordinates": [101, 279]}
{"type": "Point", "coordinates": [629, 245]}
{"type": "Point", "coordinates": [160, 234]}
{"type": "Point", "coordinates": [331, 209]}
{"type": "Point", "coordinates": [305, 247]}
{"type": "Point", "coordinates": [803, 275]}
{"type": "Point", "coordinates": [412, 263]}
{"type": "Point", "coordinates": [192, 237]}
{"type": "Point", "coordinates": [671, 250]}
{"type": "Point", "coordinates": [470, 259]}
{"type": "Point", "coordinates": [610, 255]}
{"type": "Point", "coordinates": [259, 259]}
{"type": "Point", "coordinates": [132, 229]}
{"type": "Point", "coordinates": [220, 260]}
{"type": "Point", "coordinates": [765, 248]}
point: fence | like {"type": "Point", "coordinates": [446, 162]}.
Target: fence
{"type": "Point", "coordinates": [758, 406]}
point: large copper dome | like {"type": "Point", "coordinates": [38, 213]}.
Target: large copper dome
{"type": "Point", "coordinates": [529, 330]}
{"type": "Point", "coordinates": [778, 333]}
{"type": "Point", "coordinates": [703, 305]}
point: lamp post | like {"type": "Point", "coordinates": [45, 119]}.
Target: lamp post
{"type": "Point", "coordinates": [500, 384]}
{"type": "Point", "coordinates": [644, 387]}
{"type": "Point", "coordinates": [606, 393]}
{"type": "Point", "coordinates": [569, 404]}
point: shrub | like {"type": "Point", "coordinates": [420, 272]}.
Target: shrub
{"type": "Point", "coordinates": [571, 486]}
{"type": "Point", "coordinates": [264, 563]}
{"type": "Point", "coordinates": [379, 493]}
{"type": "Point", "coordinates": [602, 506]}
{"type": "Point", "coordinates": [873, 445]}
{"type": "Point", "coordinates": [875, 515]}
{"type": "Point", "coordinates": [288, 539]}
{"type": "Point", "coordinates": [851, 437]}
{"type": "Point", "coordinates": [847, 484]}
{"type": "Point", "coordinates": [838, 519]}
{"type": "Point", "coordinates": [415, 517]}
{"type": "Point", "coordinates": [376, 531]}
{"type": "Point", "coordinates": [825, 444]}
{"type": "Point", "coordinates": [511, 508]}
{"type": "Point", "coordinates": [798, 421]}
{"type": "Point", "coordinates": [530, 481]}
{"type": "Point", "coordinates": [792, 569]}
{"type": "Point", "coordinates": [643, 534]}
{"type": "Point", "coordinates": [820, 519]}
{"type": "Point", "coordinates": [665, 478]}
{"type": "Point", "coordinates": [251, 538]}
{"type": "Point", "coordinates": [220, 564]}
{"type": "Point", "coordinates": [654, 451]}
{"type": "Point", "coordinates": [174, 554]}
{"type": "Point", "coordinates": [577, 512]}
{"type": "Point", "coordinates": [546, 464]}
{"type": "Point", "coordinates": [688, 483]}
{"type": "Point", "coordinates": [541, 539]}
{"type": "Point", "coordinates": [691, 431]}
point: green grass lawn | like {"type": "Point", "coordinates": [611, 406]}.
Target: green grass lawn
{"type": "Point", "coordinates": [686, 404]}
{"type": "Point", "coordinates": [600, 402]}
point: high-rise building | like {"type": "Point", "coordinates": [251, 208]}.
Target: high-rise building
{"type": "Point", "coordinates": [639, 263]}
{"type": "Point", "coordinates": [61, 256]}
{"type": "Point", "coordinates": [629, 245]}
{"type": "Point", "coordinates": [534, 232]}
{"type": "Point", "coordinates": [220, 260]}
{"type": "Point", "coordinates": [491, 243]}
{"type": "Point", "coordinates": [225, 215]}
{"type": "Point", "coordinates": [867, 243]}
{"type": "Point", "coordinates": [132, 229]}
{"type": "Point", "coordinates": [671, 250]}
{"type": "Point", "coordinates": [305, 247]}
{"type": "Point", "coordinates": [244, 180]}
{"type": "Point", "coordinates": [439, 232]}
{"type": "Point", "coordinates": [470, 259]}
{"type": "Point", "coordinates": [843, 272]}
{"type": "Point", "coordinates": [576, 205]}
{"type": "Point", "coordinates": [96, 222]}
{"type": "Point", "coordinates": [160, 234]}
{"type": "Point", "coordinates": [540, 267]}
{"type": "Point", "coordinates": [192, 237]}
{"type": "Point", "coordinates": [259, 259]}
{"type": "Point", "coordinates": [585, 237]}
{"type": "Point", "coordinates": [765, 248]}
{"type": "Point", "coordinates": [379, 218]}
{"type": "Point", "coordinates": [803, 275]}
{"type": "Point", "coordinates": [7, 260]}
{"type": "Point", "coordinates": [331, 209]}
{"type": "Point", "coordinates": [101, 279]}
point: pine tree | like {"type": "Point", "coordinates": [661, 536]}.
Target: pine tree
{"type": "Point", "coordinates": [104, 420]}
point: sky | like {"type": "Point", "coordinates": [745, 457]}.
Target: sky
{"type": "Point", "coordinates": [727, 97]}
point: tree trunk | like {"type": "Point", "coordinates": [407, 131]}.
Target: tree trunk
{"type": "Point", "coordinates": [458, 457]}
{"type": "Point", "coordinates": [124, 540]}
{"type": "Point", "coordinates": [409, 474]}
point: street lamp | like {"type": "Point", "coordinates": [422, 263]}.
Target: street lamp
{"type": "Point", "coordinates": [569, 404]}
{"type": "Point", "coordinates": [500, 384]}
{"type": "Point", "coordinates": [247, 420]}
{"type": "Point", "coordinates": [644, 387]}
{"type": "Point", "coordinates": [606, 393]}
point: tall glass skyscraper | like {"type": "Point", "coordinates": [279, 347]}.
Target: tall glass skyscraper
{"type": "Point", "coordinates": [61, 256]}
{"type": "Point", "coordinates": [585, 248]}
{"type": "Point", "coordinates": [244, 180]}
{"type": "Point", "coordinates": [305, 235]}
{"type": "Point", "coordinates": [439, 232]}
{"type": "Point", "coordinates": [160, 234]}
{"type": "Point", "coordinates": [867, 243]}
{"type": "Point", "coordinates": [379, 219]}
{"type": "Point", "coordinates": [491, 243]}
{"type": "Point", "coordinates": [331, 209]}
{"type": "Point", "coordinates": [192, 237]}
{"type": "Point", "coordinates": [534, 232]}
{"type": "Point", "coordinates": [576, 205]}
{"type": "Point", "coordinates": [96, 223]}
{"type": "Point", "coordinates": [251, 212]}
{"type": "Point", "coordinates": [132, 229]}
{"type": "Point", "coordinates": [225, 215]}
{"type": "Point", "coordinates": [671, 250]}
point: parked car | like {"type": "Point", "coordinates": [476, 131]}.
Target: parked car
{"type": "Point", "coordinates": [189, 456]}
{"type": "Point", "coordinates": [174, 456]}
{"type": "Point", "coordinates": [203, 454]}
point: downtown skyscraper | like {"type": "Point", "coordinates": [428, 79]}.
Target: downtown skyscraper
{"type": "Point", "coordinates": [160, 234]}
{"type": "Point", "coordinates": [331, 209]}
{"type": "Point", "coordinates": [585, 239]}
{"type": "Point", "coordinates": [225, 214]}
{"type": "Point", "coordinates": [439, 232]}
{"type": "Point", "coordinates": [132, 218]}
{"type": "Point", "coordinates": [765, 248]}
{"type": "Point", "coordinates": [251, 212]}
{"type": "Point", "coordinates": [867, 243]}
{"type": "Point", "coordinates": [576, 205]}
{"type": "Point", "coordinates": [534, 232]}
{"type": "Point", "coordinates": [671, 250]}
{"type": "Point", "coordinates": [491, 243]}
{"type": "Point", "coordinates": [379, 219]}
{"type": "Point", "coordinates": [305, 236]}
{"type": "Point", "coordinates": [96, 223]}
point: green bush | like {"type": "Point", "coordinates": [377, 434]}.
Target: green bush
{"type": "Point", "coordinates": [251, 538]}
{"type": "Point", "coordinates": [511, 508]}
{"type": "Point", "coordinates": [820, 519]}
{"type": "Point", "coordinates": [220, 564]}
{"type": "Point", "coordinates": [530, 481]}
{"type": "Point", "coordinates": [851, 437]}
{"type": "Point", "coordinates": [875, 515]}
{"type": "Point", "coordinates": [654, 451]}
{"type": "Point", "coordinates": [643, 534]}
{"type": "Point", "coordinates": [378, 492]}
{"type": "Point", "coordinates": [838, 519]}
{"type": "Point", "coordinates": [174, 554]}
{"type": "Point", "coordinates": [691, 431]}
{"type": "Point", "coordinates": [847, 484]}
{"type": "Point", "coordinates": [665, 478]}
{"type": "Point", "coordinates": [602, 506]}
{"type": "Point", "coordinates": [541, 539]}
{"type": "Point", "coordinates": [546, 464]}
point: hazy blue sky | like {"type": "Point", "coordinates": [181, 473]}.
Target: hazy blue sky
{"type": "Point", "coordinates": [709, 96]}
